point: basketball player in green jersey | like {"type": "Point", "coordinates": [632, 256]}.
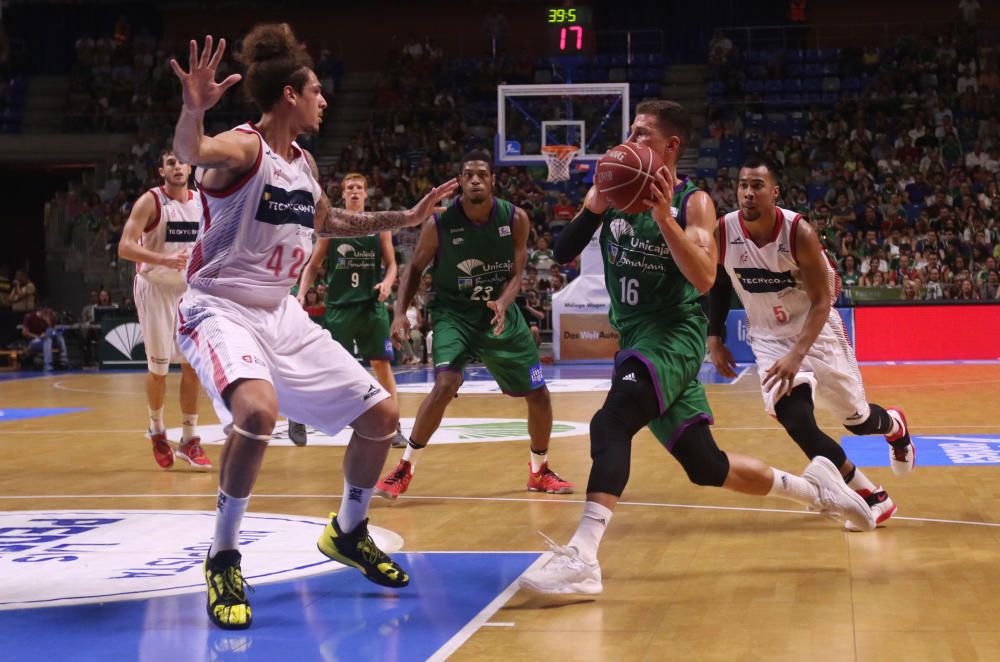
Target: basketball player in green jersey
{"type": "Point", "coordinates": [656, 265]}
{"type": "Point", "coordinates": [355, 296]}
{"type": "Point", "coordinates": [479, 250]}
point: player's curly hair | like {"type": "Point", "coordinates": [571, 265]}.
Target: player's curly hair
{"type": "Point", "coordinates": [274, 58]}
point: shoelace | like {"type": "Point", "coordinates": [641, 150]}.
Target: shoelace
{"type": "Point", "coordinates": [370, 551]}
{"type": "Point", "coordinates": [232, 586]}
{"type": "Point", "coordinates": [559, 551]}
{"type": "Point", "coordinates": [193, 451]}
{"type": "Point", "coordinates": [396, 476]}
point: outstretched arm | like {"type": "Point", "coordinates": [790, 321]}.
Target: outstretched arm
{"type": "Point", "coordinates": [335, 222]}
{"type": "Point", "coordinates": [577, 233]}
{"type": "Point", "coordinates": [425, 251]}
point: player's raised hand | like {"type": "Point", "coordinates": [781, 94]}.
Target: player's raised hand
{"type": "Point", "coordinates": [176, 261]}
{"type": "Point", "coordinates": [421, 211]}
{"type": "Point", "coordinates": [400, 329]}
{"type": "Point", "coordinates": [661, 193]}
{"type": "Point", "coordinates": [200, 90]}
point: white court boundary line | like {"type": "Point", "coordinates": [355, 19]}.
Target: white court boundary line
{"type": "Point", "coordinates": [479, 620]}
{"type": "Point", "coordinates": [995, 426]}
{"type": "Point", "coordinates": [640, 504]}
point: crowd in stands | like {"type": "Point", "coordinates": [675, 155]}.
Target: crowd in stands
{"type": "Point", "coordinates": [895, 156]}
{"type": "Point", "coordinates": [893, 153]}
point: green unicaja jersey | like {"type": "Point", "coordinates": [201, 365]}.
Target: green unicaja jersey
{"type": "Point", "coordinates": [643, 281]}
{"type": "Point", "coordinates": [354, 267]}
{"type": "Point", "coordinates": [473, 262]}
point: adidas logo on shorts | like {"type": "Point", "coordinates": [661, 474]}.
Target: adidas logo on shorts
{"type": "Point", "coordinates": [630, 377]}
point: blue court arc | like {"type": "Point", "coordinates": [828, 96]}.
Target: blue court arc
{"type": "Point", "coordinates": [333, 616]}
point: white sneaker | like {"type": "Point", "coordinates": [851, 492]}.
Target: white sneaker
{"type": "Point", "coordinates": [835, 499]}
{"type": "Point", "coordinates": [902, 454]}
{"type": "Point", "coordinates": [881, 504]}
{"type": "Point", "coordinates": [564, 573]}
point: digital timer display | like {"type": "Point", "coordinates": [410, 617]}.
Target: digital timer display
{"type": "Point", "coordinates": [569, 28]}
{"type": "Point", "coordinates": [562, 15]}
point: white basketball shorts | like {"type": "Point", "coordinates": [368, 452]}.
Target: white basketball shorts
{"type": "Point", "coordinates": [156, 304]}
{"type": "Point", "coordinates": [316, 380]}
{"type": "Point", "coordinates": [829, 368]}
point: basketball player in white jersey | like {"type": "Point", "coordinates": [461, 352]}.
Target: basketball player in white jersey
{"type": "Point", "coordinates": [788, 286]}
{"type": "Point", "coordinates": [253, 346]}
{"type": "Point", "coordinates": [158, 237]}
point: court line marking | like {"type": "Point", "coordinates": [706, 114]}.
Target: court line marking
{"type": "Point", "coordinates": [138, 431]}
{"type": "Point", "coordinates": [729, 390]}
{"type": "Point", "coordinates": [641, 504]}
{"type": "Point", "coordinates": [502, 624]}
{"type": "Point", "coordinates": [486, 614]}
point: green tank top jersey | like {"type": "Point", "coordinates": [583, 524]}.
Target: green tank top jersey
{"type": "Point", "coordinates": [473, 262]}
{"type": "Point", "coordinates": [354, 267]}
{"type": "Point", "coordinates": [643, 281]}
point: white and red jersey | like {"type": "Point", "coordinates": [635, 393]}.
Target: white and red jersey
{"type": "Point", "coordinates": [256, 235]}
{"type": "Point", "coordinates": [767, 278]}
{"type": "Point", "coordinates": [173, 230]}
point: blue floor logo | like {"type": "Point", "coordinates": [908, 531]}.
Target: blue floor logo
{"type": "Point", "coordinates": [60, 557]}
{"type": "Point", "coordinates": [932, 450]}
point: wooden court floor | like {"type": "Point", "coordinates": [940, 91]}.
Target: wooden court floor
{"type": "Point", "coordinates": [689, 573]}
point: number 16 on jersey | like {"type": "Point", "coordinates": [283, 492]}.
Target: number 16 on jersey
{"type": "Point", "coordinates": [629, 291]}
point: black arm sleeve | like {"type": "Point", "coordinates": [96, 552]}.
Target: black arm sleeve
{"type": "Point", "coordinates": [575, 236]}
{"type": "Point", "coordinates": [718, 303]}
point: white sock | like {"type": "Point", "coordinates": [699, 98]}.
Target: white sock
{"type": "Point", "coordinates": [896, 427]}
{"type": "Point", "coordinates": [228, 517]}
{"type": "Point", "coordinates": [155, 419]}
{"type": "Point", "coordinates": [538, 459]}
{"type": "Point", "coordinates": [189, 426]}
{"type": "Point", "coordinates": [411, 454]}
{"type": "Point", "coordinates": [590, 530]}
{"type": "Point", "coordinates": [861, 482]}
{"type": "Point", "coordinates": [792, 487]}
{"type": "Point", "coordinates": [353, 506]}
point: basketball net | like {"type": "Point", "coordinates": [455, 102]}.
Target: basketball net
{"type": "Point", "coordinates": [558, 158]}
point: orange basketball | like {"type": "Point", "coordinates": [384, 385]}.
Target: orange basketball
{"type": "Point", "coordinates": [624, 175]}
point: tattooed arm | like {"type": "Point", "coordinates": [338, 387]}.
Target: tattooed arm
{"type": "Point", "coordinates": [335, 222]}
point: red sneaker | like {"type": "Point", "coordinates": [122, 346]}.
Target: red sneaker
{"type": "Point", "coordinates": [547, 480]}
{"type": "Point", "coordinates": [162, 452]}
{"type": "Point", "coordinates": [902, 452]}
{"type": "Point", "coordinates": [396, 482]}
{"type": "Point", "coordinates": [192, 452]}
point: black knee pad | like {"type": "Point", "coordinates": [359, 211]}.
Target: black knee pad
{"type": "Point", "coordinates": [697, 452]}
{"type": "Point", "coordinates": [797, 415]}
{"type": "Point", "coordinates": [878, 422]}
{"type": "Point", "coordinates": [630, 405]}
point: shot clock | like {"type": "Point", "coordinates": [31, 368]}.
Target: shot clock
{"type": "Point", "coordinates": [569, 31]}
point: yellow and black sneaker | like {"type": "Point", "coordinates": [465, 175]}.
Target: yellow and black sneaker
{"type": "Point", "coordinates": [358, 550]}
{"type": "Point", "coordinates": [228, 606]}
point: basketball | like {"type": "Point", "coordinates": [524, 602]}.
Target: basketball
{"type": "Point", "coordinates": [624, 175]}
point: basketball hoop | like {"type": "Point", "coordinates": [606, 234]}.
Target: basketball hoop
{"type": "Point", "coordinates": [558, 158]}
